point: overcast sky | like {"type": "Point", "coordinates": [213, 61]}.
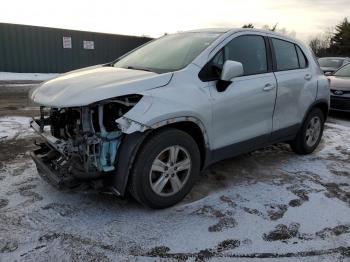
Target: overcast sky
{"type": "Point", "coordinates": [155, 17]}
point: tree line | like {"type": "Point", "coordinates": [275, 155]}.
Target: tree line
{"type": "Point", "coordinates": [273, 28]}
{"type": "Point", "coordinates": [331, 43]}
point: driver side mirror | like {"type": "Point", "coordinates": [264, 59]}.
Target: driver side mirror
{"type": "Point", "coordinates": [231, 69]}
{"type": "Point", "coordinates": [328, 74]}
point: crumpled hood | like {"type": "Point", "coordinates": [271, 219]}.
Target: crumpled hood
{"type": "Point", "coordinates": [340, 83]}
{"type": "Point", "coordinates": [83, 87]}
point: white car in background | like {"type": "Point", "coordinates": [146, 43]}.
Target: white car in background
{"type": "Point", "coordinates": [332, 64]}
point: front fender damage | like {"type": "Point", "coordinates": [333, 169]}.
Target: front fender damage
{"type": "Point", "coordinates": [82, 143]}
{"type": "Point", "coordinates": [99, 141]}
{"type": "Point", "coordinates": [129, 126]}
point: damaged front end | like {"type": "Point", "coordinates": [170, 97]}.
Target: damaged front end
{"type": "Point", "coordinates": [80, 143]}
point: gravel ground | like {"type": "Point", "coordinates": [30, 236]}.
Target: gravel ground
{"type": "Point", "coordinates": [269, 205]}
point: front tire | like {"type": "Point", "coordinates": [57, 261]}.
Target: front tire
{"type": "Point", "coordinates": [165, 169]}
{"type": "Point", "coordinates": [310, 134]}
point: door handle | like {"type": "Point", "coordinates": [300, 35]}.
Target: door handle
{"type": "Point", "coordinates": [308, 77]}
{"type": "Point", "coordinates": [268, 87]}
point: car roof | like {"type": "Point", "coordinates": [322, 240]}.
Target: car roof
{"type": "Point", "coordinates": [207, 30]}
{"type": "Point", "coordinates": [235, 30]}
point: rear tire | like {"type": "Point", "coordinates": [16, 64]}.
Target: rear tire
{"type": "Point", "coordinates": [310, 133]}
{"type": "Point", "coordinates": [165, 169]}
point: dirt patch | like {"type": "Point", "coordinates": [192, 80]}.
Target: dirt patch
{"type": "Point", "coordinates": [228, 244]}
{"type": "Point", "coordinates": [224, 223]}
{"type": "Point", "coordinates": [202, 255]}
{"type": "Point", "coordinates": [276, 212]}
{"type": "Point", "coordinates": [273, 211]}
{"type": "Point", "coordinates": [62, 209]}
{"type": "Point", "coordinates": [333, 190]}
{"type": "Point", "coordinates": [228, 200]}
{"type": "Point", "coordinates": [295, 202]}
{"type": "Point", "coordinates": [89, 256]}
{"type": "Point", "coordinates": [157, 251]}
{"type": "Point", "coordinates": [3, 202]}
{"type": "Point", "coordinates": [341, 173]}
{"type": "Point", "coordinates": [8, 245]}
{"type": "Point", "coordinates": [335, 231]}
{"type": "Point", "coordinates": [209, 211]}
{"type": "Point", "coordinates": [254, 211]}
{"type": "Point", "coordinates": [218, 176]}
{"type": "Point", "coordinates": [283, 232]}
{"type": "Point", "coordinates": [301, 193]}
{"type": "Point", "coordinates": [225, 218]}
{"type": "Point", "coordinates": [73, 240]}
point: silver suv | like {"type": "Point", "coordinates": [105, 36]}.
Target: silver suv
{"type": "Point", "coordinates": [150, 121]}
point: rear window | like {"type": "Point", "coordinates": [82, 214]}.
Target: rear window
{"type": "Point", "coordinates": [330, 62]}
{"type": "Point", "coordinates": [286, 55]}
{"type": "Point", "coordinates": [344, 71]}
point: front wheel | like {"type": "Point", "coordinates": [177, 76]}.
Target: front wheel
{"type": "Point", "coordinates": [165, 169]}
{"type": "Point", "coordinates": [310, 134]}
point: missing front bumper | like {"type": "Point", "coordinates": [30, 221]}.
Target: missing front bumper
{"type": "Point", "coordinates": [42, 159]}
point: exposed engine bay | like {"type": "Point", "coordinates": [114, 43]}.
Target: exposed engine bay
{"type": "Point", "coordinates": [82, 141]}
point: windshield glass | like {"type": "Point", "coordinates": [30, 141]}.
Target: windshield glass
{"type": "Point", "coordinates": [330, 62]}
{"type": "Point", "coordinates": [344, 71]}
{"type": "Point", "coordinates": [168, 53]}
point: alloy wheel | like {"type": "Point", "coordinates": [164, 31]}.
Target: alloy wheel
{"type": "Point", "coordinates": [313, 131]}
{"type": "Point", "coordinates": [170, 170]}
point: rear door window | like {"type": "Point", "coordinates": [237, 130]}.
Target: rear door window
{"type": "Point", "coordinates": [286, 55]}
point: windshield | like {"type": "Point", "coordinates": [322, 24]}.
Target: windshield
{"type": "Point", "coordinates": [168, 53]}
{"type": "Point", "coordinates": [330, 62]}
{"type": "Point", "coordinates": [344, 71]}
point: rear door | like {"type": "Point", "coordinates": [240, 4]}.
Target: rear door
{"type": "Point", "coordinates": [243, 110]}
{"type": "Point", "coordinates": [297, 87]}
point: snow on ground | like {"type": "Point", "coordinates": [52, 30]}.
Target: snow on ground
{"type": "Point", "coordinates": [267, 205]}
{"type": "Point", "coordinates": [13, 127]}
{"type": "Point", "coordinates": [10, 76]}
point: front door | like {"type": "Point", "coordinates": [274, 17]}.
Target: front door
{"type": "Point", "coordinates": [243, 111]}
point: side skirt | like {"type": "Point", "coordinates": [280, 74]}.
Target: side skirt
{"type": "Point", "coordinates": [250, 145]}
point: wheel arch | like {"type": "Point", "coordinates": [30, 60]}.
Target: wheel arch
{"type": "Point", "coordinates": [134, 141]}
{"type": "Point", "coordinates": [322, 104]}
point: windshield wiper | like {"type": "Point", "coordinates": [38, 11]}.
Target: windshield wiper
{"type": "Point", "coordinates": [138, 68]}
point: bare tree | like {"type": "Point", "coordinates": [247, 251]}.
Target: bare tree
{"type": "Point", "coordinates": [282, 30]}
{"type": "Point", "coordinates": [250, 25]}
{"type": "Point", "coordinates": [320, 44]}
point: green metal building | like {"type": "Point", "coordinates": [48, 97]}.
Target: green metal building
{"type": "Point", "coordinates": [33, 49]}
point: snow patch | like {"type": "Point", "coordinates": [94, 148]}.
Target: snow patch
{"type": "Point", "coordinates": [13, 127]}
{"type": "Point", "coordinates": [11, 76]}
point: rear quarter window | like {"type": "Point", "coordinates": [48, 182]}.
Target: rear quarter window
{"type": "Point", "coordinates": [302, 59]}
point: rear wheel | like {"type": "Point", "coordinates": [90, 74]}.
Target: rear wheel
{"type": "Point", "coordinates": [310, 134]}
{"type": "Point", "coordinates": [165, 169]}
